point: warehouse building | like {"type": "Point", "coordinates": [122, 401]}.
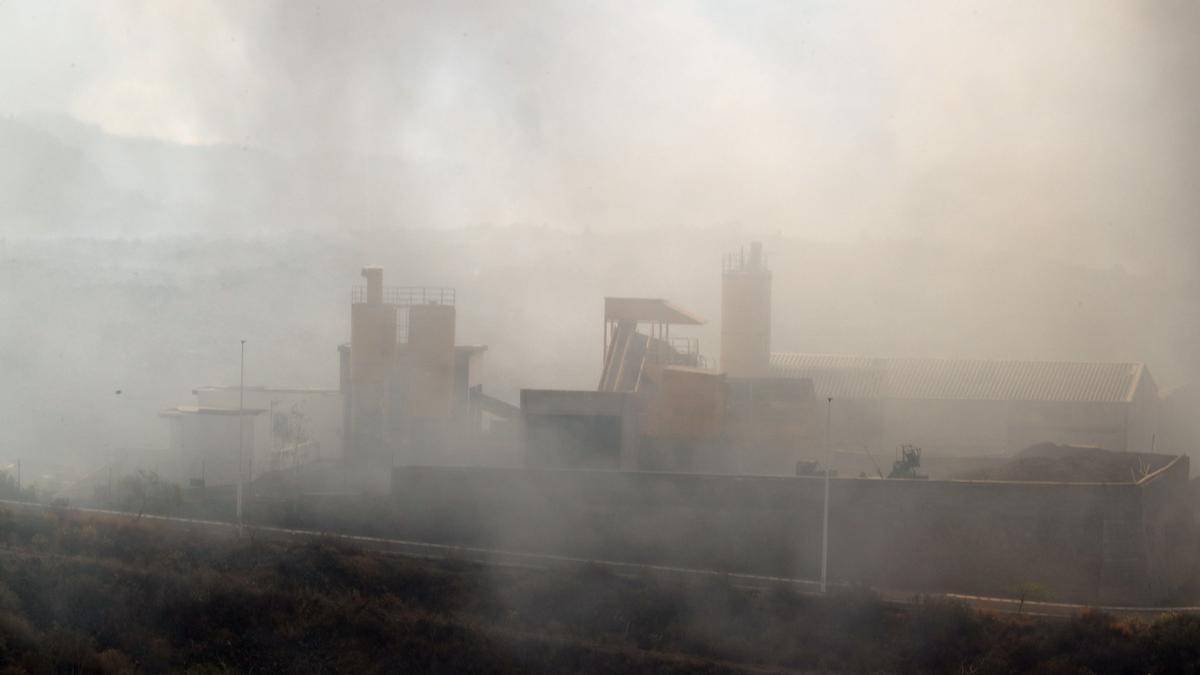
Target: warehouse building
{"type": "Point", "coordinates": [974, 407]}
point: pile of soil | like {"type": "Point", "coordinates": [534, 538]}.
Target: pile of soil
{"type": "Point", "coordinates": [1068, 464]}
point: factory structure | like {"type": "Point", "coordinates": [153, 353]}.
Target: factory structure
{"type": "Point", "coordinates": [681, 459]}
{"type": "Point", "coordinates": [411, 395]}
{"type": "Point", "coordinates": [408, 394]}
{"type": "Point", "coordinates": [756, 411]}
{"type": "Point", "coordinates": [660, 406]}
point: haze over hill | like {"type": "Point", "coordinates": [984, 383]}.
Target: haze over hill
{"type": "Point", "coordinates": [820, 121]}
{"type": "Point", "coordinates": [162, 315]}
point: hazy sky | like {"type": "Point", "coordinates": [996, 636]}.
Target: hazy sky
{"type": "Point", "coordinates": [1065, 125]}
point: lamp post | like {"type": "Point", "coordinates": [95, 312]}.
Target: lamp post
{"type": "Point", "coordinates": [241, 431]}
{"type": "Point", "coordinates": [112, 457]}
{"type": "Point", "coordinates": [825, 514]}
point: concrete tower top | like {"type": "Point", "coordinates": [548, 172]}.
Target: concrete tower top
{"type": "Point", "coordinates": [374, 276]}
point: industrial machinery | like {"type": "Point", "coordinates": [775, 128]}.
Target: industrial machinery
{"type": "Point", "coordinates": [908, 460]}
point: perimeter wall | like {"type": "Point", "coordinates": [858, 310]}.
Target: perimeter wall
{"type": "Point", "coordinates": [1115, 543]}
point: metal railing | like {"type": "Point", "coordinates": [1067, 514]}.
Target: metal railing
{"type": "Point", "coordinates": [678, 351]}
{"type": "Point", "coordinates": [407, 296]}
{"type": "Point", "coordinates": [402, 326]}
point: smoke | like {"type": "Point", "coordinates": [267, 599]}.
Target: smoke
{"type": "Point", "coordinates": [1068, 128]}
{"type": "Point", "coordinates": [990, 180]}
{"type": "Point", "coordinates": [1041, 158]}
{"type": "Point", "coordinates": [1064, 127]}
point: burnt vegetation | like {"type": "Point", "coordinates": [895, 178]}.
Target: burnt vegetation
{"type": "Point", "coordinates": [118, 595]}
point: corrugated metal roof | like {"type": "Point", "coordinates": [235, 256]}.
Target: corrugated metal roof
{"type": "Point", "coordinates": [836, 375]}
{"type": "Point", "coordinates": [1012, 380]}
{"type": "Point", "coordinates": [962, 379]}
{"type": "Point", "coordinates": [784, 361]}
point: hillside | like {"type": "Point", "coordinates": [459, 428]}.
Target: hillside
{"type": "Point", "coordinates": [115, 595]}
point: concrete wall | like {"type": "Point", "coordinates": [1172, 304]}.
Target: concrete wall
{"type": "Point", "coordinates": [771, 423]}
{"type": "Point", "coordinates": [204, 446]}
{"type": "Point", "coordinates": [578, 429]}
{"type": "Point", "coordinates": [1082, 541]}
{"type": "Point", "coordinates": [689, 404]}
{"type": "Point", "coordinates": [1168, 529]}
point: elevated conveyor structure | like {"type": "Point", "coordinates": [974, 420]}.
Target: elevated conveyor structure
{"type": "Point", "coordinates": [627, 351]}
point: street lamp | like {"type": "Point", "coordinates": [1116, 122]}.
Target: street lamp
{"type": "Point", "coordinates": [112, 457]}
{"type": "Point", "coordinates": [241, 431]}
{"type": "Point", "coordinates": [825, 514]}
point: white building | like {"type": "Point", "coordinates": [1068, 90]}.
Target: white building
{"type": "Point", "coordinates": [283, 428]}
{"type": "Point", "coordinates": [203, 444]}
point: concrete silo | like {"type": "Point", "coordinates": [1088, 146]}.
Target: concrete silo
{"type": "Point", "coordinates": [745, 314]}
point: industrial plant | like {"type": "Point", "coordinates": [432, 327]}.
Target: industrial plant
{"type": "Point", "coordinates": [911, 473]}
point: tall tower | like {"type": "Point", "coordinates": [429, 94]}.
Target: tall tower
{"type": "Point", "coordinates": [745, 314]}
{"type": "Point", "coordinates": [372, 356]}
{"type": "Point", "coordinates": [430, 355]}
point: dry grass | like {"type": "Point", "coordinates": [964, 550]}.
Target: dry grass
{"type": "Point", "coordinates": [111, 594]}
